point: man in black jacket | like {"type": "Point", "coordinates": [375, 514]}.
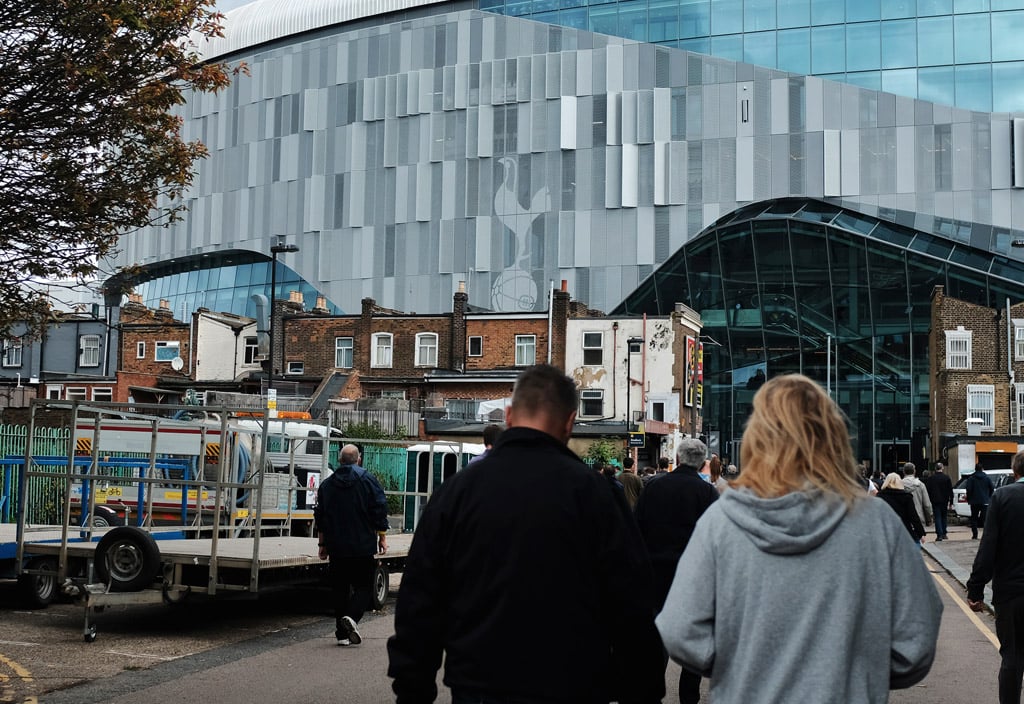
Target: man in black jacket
{"type": "Point", "coordinates": [1001, 560]}
{"type": "Point", "coordinates": [524, 530]}
{"type": "Point", "coordinates": [978, 490]}
{"type": "Point", "coordinates": [667, 513]}
{"type": "Point", "coordinates": [940, 493]}
{"type": "Point", "coordinates": [351, 516]}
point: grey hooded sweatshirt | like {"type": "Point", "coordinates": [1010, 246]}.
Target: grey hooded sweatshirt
{"type": "Point", "coordinates": [801, 599]}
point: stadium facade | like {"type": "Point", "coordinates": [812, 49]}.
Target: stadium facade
{"type": "Point", "coordinates": [407, 147]}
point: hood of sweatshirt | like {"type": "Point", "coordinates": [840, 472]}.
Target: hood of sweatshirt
{"type": "Point", "coordinates": [345, 475]}
{"type": "Point", "coordinates": [789, 525]}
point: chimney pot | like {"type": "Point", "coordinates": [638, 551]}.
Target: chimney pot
{"type": "Point", "coordinates": [565, 285]}
{"type": "Point", "coordinates": [165, 304]}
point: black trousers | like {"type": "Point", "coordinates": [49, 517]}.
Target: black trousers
{"type": "Point", "coordinates": [1010, 630]}
{"type": "Point", "coordinates": [978, 512]}
{"type": "Point", "coordinates": [351, 580]}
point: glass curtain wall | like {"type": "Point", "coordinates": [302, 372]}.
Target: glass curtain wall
{"type": "Point", "coordinates": [803, 286]}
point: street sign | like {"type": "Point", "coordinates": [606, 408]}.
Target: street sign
{"type": "Point", "coordinates": [636, 439]}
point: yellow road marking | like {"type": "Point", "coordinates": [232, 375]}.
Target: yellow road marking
{"type": "Point", "coordinates": [959, 600]}
{"type": "Point", "coordinates": [20, 671]}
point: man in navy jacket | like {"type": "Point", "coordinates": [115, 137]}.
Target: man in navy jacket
{"type": "Point", "coordinates": [525, 575]}
{"type": "Point", "coordinates": [1000, 559]}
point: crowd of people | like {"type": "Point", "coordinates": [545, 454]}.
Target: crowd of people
{"type": "Point", "coordinates": [781, 583]}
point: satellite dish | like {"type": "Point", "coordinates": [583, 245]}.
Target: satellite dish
{"type": "Point", "coordinates": [177, 363]}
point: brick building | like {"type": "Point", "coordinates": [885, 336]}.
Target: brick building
{"type": "Point", "coordinates": [977, 375]}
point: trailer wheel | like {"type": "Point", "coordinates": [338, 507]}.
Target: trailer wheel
{"type": "Point", "coordinates": [127, 558]}
{"type": "Point", "coordinates": [38, 590]}
{"type": "Point", "coordinates": [381, 586]}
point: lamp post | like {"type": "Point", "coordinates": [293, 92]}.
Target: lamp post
{"type": "Point", "coordinates": [632, 345]}
{"type": "Point", "coordinates": [279, 247]}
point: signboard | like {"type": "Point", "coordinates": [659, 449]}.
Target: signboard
{"type": "Point", "coordinates": [693, 376]}
{"type": "Point", "coordinates": [272, 403]}
{"type": "Point", "coordinates": [636, 439]}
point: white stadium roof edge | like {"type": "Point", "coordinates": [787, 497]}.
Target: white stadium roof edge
{"type": "Point", "coordinates": [268, 20]}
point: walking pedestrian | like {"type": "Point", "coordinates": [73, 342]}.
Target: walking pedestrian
{"type": "Point", "coordinates": [940, 493]}
{"type": "Point", "coordinates": [916, 488]}
{"type": "Point", "coordinates": [489, 546]}
{"type": "Point", "coordinates": [351, 515]}
{"type": "Point", "coordinates": [632, 485]}
{"type": "Point", "coordinates": [667, 513]}
{"type": "Point", "coordinates": [491, 433]}
{"type": "Point", "coordinates": [978, 491]}
{"type": "Point", "coordinates": [900, 500]}
{"type": "Point", "coordinates": [795, 553]}
{"type": "Point", "coordinates": [1000, 560]}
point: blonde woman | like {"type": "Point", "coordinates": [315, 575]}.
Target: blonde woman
{"type": "Point", "coordinates": [795, 559]}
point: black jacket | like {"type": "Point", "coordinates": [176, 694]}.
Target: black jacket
{"type": "Point", "coordinates": [527, 574]}
{"type": "Point", "coordinates": [667, 512]}
{"type": "Point", "coordinates": [350, 508]}
{"type": "Point", "coordinates": [1000, 557]}
{"type": "Point", "coordinates": [903, 504]}
{"type": "Point", "coordinates": [978, 488]}
{"type": "Point", "coordinates": [940, 489]}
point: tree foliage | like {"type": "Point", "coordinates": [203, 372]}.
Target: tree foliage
{"type": "Point", "coordinates": [604, 451]}
{"type": "Point", "coordinates": [88, 144]}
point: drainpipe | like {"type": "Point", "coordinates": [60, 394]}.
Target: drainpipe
{"type": "Point", "coordinates": [551, 305]}
{"type": "Point", "coordinates": [1009, 365]}
{"type": "Point", "coordinates": [615, 354]}
{"type": "Point", "coordinates": [643, 368]}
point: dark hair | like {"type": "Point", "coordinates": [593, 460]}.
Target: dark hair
{"type": "Point", "coordinates": [663, 463]}
{"type": "Point", "coordinates": [628, 463]}
{"type": "Point", "coordinates": [491, 433]}
{"type": "Point", "coordinates": [544, 388]}
{"type": "Point", "coordinates": [608, 470]}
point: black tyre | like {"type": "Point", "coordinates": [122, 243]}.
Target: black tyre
{"type": "Point", "coordinates": [38, 590]}
{"type": "Point", "coordinates": [127, 558]}
{"type": "Point", "coordinates": [381, 586]}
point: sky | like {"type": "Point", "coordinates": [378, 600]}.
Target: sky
{"type": "Point", "coordinates": [225, 5]}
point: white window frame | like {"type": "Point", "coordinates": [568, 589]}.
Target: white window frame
{"type": "Point", "coordinates": [340, 350]}
{"type": "Point", "coordinates": [103, 394]}
{"type": "Point", "coordinates": [76, 393]}
{"type": "Point", "coordinates": [958, 349]}
{"type": "Point", "coordinates": [54, 392]}
{"type": "Point", "coordinates": [591, 395]}
{"type": "Point", "coordinates": [140, 350]}
{"type": "Point", "coordinates": [89, 351]}
{"type": "Point", "coordinates": [250, 349]}
{"type": "Point", "coordinates": [478, 340]}
{"type": "Point", "coordinates": [592, 347]}
{"type": "Point", "coordinates": [1018, 340]}
{"type": "Point", "coordinates": [12, 353]}
{"type": "Point", "coordinates": [981, 404]}
{"type": "Point", "coordinates": [295, 367]}
{"type": "Point", "coordinates": [382, 350]}
{"type": "Point", "coordinates": [426, 349]}
{"type": "Point", "coordinates": [393, 393]}
{"type": "Point", "coordinates": [159, 355]}
{"type": "Point", "coordinates": [526, 345]}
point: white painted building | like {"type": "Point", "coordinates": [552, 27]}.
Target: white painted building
{"type": "Point", "coordinates": [226, 346]}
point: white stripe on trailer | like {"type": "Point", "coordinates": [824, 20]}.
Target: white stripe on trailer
{"type": "Point", "coordinates": [172, 437]}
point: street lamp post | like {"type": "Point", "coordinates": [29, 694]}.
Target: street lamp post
{"type": "Point", "coordinates": [632, 345]}
{"type": "Point", "coordinates": [279, 247]}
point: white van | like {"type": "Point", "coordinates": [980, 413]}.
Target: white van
{"type": "Point", "coordinates": [999, 477]}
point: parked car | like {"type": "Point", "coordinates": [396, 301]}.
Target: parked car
{"type": "Point", "coordinates": [999, 477]}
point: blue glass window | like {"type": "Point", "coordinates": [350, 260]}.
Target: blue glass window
{"type": "Point", "coordinates": [1007, 5]}
{"type": "Point", "coordinates": [663, 22]}
{"type": "Point", "coordinates": [794, 13]}
{"type": "Point", "coordinates": [492, 4]}
{"type": "Point", "coordinates": [1007, 29]}
{"type": "Point", "coordinates": [758, 15]}
{"type": "Point", "coordinates": [872, 80]}
{"type": "Point", "coordinates": [863, 52]}
{"type": "Point", "coordinates": [576, 18]}
{"type": "Point", "coordinates": [759, 48]}
{"type": "Point", "coordinates": [730, 47]}
{"type": "Point", "coordinates": [828, 49]}
{"type": "Point", "coordinates": [936, 85]}
{"type": "Point", "coordinates": [901, 82]}
{"type": "Point", "coordinates": [540, 6]}
{"type": "Point", "coordinates": [1007, 91]}
{"type": "Point", "coordinates": [926, 8]}
{"type": "Point", "coordinates": [965, 6]}
{"type": "Point", "coordinates": [862, 10]}
{"type": "Point", "coordinates": [973, 38]}
{"type": "Point", "coordinates": [828, 11]}
{"type": "Point", "coordinates": [518, 8]}
{"type": "Point", "coordinates": [899, 44]}
{"type": "Point", "coordinates": [604, 19]}
{"type": "Point", "coordinates": [934, 41]}
{"type": "Point", "coordinates": [701, 45]}
{"type": "Point", "coordinates": [633, 21]}
{"type": "Point", "coordinates": [794, 50]}
{"type": "Point", "coordinates": [694, 18]}
{"type": "Point", "coordinates": [726, 16]}
{"type": "Point", "coordinates": [896, 9]}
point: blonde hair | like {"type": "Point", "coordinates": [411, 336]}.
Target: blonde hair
{"type": "Point", "coordinates": [797, 436]}
{"type": "Point", "coordinates": [893, 481]}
